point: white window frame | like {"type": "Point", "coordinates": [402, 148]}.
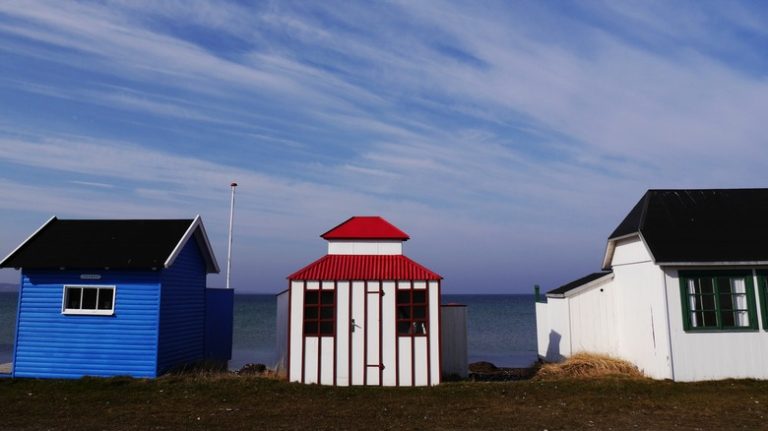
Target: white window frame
{"type": "Point", "coordinates": [79, 311]}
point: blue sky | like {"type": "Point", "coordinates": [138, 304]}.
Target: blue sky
{"type": "Point", "coordinates": [507, 138]}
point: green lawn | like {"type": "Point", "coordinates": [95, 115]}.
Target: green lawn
{"type": "Point", "coordinates": [234, 403]}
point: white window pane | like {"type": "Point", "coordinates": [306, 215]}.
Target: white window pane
{"type": "Point", "coordinates": [741, 318]}
{"type": "Point", "coordinates": [738, 285]}
{"type": "Point", "coordinates": [89, 298]}
{"type": "Point", "coordinates": [73, 298]}
{"type": "Point", "coordinates": [740, 302]}
{"type": "Point", "coordinates": [105, 299]}
{"type": "Point", "coordinates": [691, 286]}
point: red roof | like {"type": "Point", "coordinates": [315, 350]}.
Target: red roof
{"type": "Point", "coordinates": [364, 267]}
{"type": "Point", "coordinates": [365, 227]}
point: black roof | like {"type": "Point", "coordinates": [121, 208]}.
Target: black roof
{"type": "Point", "coordinates": [114, 244]}
{"type": "Point", "coordinates": [713, 225]}
{"type": "Point", "coordinates": [580, 282]}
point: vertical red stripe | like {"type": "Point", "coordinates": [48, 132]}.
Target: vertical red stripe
{"type": "Point", "coordinates": [429, 335]}
{"type": "Point", "coordinates": [439, 341]}
{"type": "Point", "coordinates": [288, 350]}
{"type": "Point", "coordinates": [349, 365]}
{"type": "Point", "coordinates": [365, 334]}
{"type": "Point", "coordinates": [397, 343]}
{"type": "Point", "coordinates": [413, 344]}
{"type": "Point", "coordinates": [381, 332]}
{"type": "Point", "coordinates": [303, 338]}
{"type": "Point", "coordinates": [335, 328]}
{"type": "Point", "coordinates": [319, 337]}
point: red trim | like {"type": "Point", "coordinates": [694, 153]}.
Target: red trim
{"type": "Point", "coordinates": [335, 329]}
{"type": "Point", "coordinates": [303, 338]}
{"type": "Point", "coordinates": [439, 329]}
{"type": "Point", "coordinates": [365, 335]}
{"type": "Point", "coordinates": [349, 364]}
{"type": "Point", "coordinates": [290, 306]}
{"type": "Point", "coordinates": [413, 345]}
{"type": "Point", "coordinates": [381, 334]}
{"type": "Point", "coordinates": [397, 343]}
{"type": "Point", "coordinates": [429, 337]}
{"type": "Point", "coordinates": [319, 358]}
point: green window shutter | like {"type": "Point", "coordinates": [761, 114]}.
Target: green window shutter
{"type": "Point", "coordinates": [684, 301]}
{"type": "Point", "coordinates": [762, 285]}
{"type": "Point", "coordinates": [751, 306]}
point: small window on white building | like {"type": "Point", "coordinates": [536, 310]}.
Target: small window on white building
{"type": "Point", "coordinates": [98, 300]}
{"type": "Point", "coordinates": [412, 308]}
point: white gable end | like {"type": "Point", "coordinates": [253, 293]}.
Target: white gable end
{"type": "Point", "coordinates": [630, 250]}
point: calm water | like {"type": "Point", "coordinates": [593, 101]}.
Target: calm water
{"type": "Point", "coordinates": [501, 328]}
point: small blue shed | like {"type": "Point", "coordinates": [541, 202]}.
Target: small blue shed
{"type": "Point", "coordinates": [118, 297]}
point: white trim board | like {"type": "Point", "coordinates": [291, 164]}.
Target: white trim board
{"type": "Point", "coordinates": [196, 223]}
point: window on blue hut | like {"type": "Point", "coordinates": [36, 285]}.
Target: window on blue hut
{"type": "Point", "coordinates": [98, 300]}
{"type": "Point", "coordinates": [319, 313]}
{"type": "Point", "coordinates": [412, 312]}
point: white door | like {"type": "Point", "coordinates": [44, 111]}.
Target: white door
{"type": "Point", "coordinates": [367, 364]}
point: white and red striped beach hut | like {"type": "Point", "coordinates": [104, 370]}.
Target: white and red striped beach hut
{"type": "Point", "coordinates": [364, 314]}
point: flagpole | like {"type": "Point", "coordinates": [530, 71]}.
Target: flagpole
{"type": "Point", "coordinates": [231, 218]}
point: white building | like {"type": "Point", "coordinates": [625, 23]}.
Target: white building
{"type": "Point", "coordinates": [682, 294]}
{"type": "Point", "coordinates": [364, 314]}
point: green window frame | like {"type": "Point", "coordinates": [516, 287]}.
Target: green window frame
{"type": "Point", "coordinates": [718, 300]}
{"type": "Point", "coordinates": [762, 290]}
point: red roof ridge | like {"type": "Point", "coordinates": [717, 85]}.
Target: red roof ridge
{"type": "Point", "coordinates": [366, 227]}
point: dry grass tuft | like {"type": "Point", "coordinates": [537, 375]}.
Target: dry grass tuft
{"type": "Point", "coordinates": [589, 365]}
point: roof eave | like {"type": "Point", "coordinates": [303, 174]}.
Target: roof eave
{"type": "Point", "coordinates": [586, 286]}
{"type": "Point", "coordinates": [353, 239]}
{"type": "Point", "coordinates": [23, 243]}
{"type": "Point", "coordinates": [715, 263]}
{"type": "Point", "coordinates": [211, 265]}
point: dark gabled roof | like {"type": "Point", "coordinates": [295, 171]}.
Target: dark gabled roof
{"type": "Point", "coordinates": [114, 244]}
{"type": "Point", "coordinates": [631, 223]}
{"type": "Point", "coordinates": [700, 226]}
{"type": "Point", "coordinates": [577, 283]}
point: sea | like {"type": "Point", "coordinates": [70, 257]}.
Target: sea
{"type": "Point", "coordinates": [501, 329]}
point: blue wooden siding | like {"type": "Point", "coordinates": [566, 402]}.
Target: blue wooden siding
{"type": "Point", "coordinates": [218, 324]}
{"type": "Point", "coordinates": [50, 344]}
{"type": "Point", "coordinates": [182, 310]}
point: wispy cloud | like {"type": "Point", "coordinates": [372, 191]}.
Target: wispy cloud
{"type": "Point", "coordinates": [525, 130]}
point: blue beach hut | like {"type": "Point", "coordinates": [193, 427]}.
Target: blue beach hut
{"type": "Point", "coordinates": [117, 297]}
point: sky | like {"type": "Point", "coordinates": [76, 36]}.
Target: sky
{"type": "Point", "coordinates": [508, 139]}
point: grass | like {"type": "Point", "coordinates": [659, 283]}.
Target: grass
{"type": "Point", "coordinates": [589, 365]}
{"type": "Point", "coordinates": [222, 401]}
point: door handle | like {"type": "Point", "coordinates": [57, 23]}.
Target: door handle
{"type": "Point", "coordinates": [353, 325]}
